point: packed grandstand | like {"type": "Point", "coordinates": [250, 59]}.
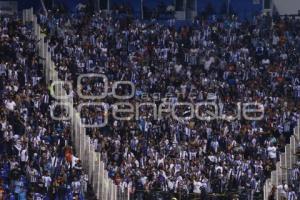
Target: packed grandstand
{"type": "Point", "coordinates": [219, 60]}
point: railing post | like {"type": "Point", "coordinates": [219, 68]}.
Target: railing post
{"type": "Point", "coordinates": [85, 143]}
{"type": "Point", "coordinates": [265, 188]}
{"type": "Point", "coordinates": [30, 14]}
{"type": "Point", "coordinates": [98, 175]}
{"type": "Point", "coordinates": [283, 167]}
{"type": "Point", "coordinates": [104, 186]}
{"type": "Point", "coordinates": [87, 151]}
{"type": "Point", "coordinates": [293, 150]}
{"type": "Point", "coordinates": [101, 182]}
{"type": "Point", "coordinates": [288, 156]}
{"type": "Point", "coordinates": [277, 178]}
{"type": "Point", "coordinates": [80, 138]}
{"type": "Point", "coordinates": [298, 130]}
{"type": "Point", "coordinates": [35, 25]}
{"type": "Point", "coordinates": [24, 13]}
{"type": "Point", "coordinates": [91, 156]}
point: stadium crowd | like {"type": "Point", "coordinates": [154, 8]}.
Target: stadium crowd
{"type": "Point", "coordinates": [223, 60]}
{"type": "Point", "coordinates": [36, 158]}
{"type": "Point", "coordinates": [217, 60]}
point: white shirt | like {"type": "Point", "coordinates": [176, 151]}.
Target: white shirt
{"type": "Point", "coordinates": [47, 181]}
{"type": "Point", "coordinates": [197, 186]}
{"type": "Point", "coordinates": [24, 155]}
{"type": "Point", "coordinates": [76, 186]}
{"type": "Point", "coordinates": [33, 175]}
{"type": "Point", "coordinates": [272, 152]}
{"type": "Point", "coordinates": [74, 160]}
{"type": "Point", "coordinates": [10, 105]}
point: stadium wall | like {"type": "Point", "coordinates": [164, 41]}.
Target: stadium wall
{"type": "Point", "coordinates": [25, 4]}
{"type": "Point", "coordinates": [243, 8]}
{"type": "Point", "coordinates": [287, 7]}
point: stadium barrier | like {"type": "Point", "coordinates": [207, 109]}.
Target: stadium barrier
{"type": "Point", "coordinates": [103, 186]}
{"type": "Point", "coordinates": [282, 174]}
